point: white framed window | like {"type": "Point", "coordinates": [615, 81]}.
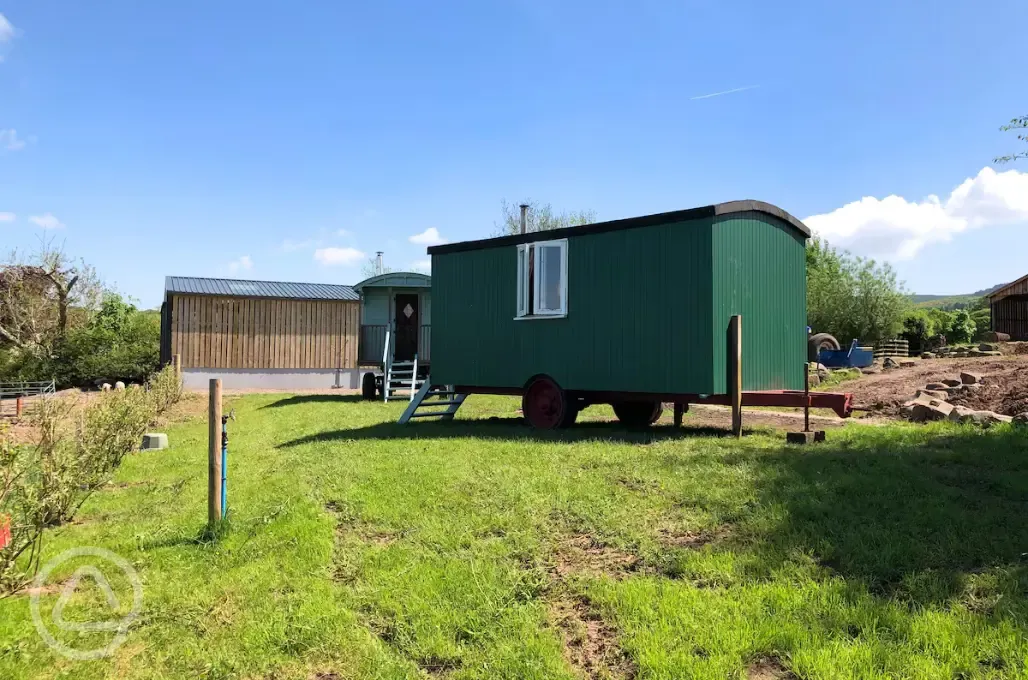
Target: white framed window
{"type": "Point", "coordinates": [542, 286]}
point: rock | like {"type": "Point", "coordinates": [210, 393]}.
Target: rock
{"type": "Point", "coordinates": [927, 355]}
{"type": "Point", "coordinates": [814, 379]}
{"type": "Point", "coordinates": [969, 378]}
{"type": "Point", "coordinates": [871, 370]}
{"type": "Point", "coordinates": [119, 385]}
{"type": "Point", "coordinates": [931, 394]}
{"type": "Point", "coordinates": [941, 387]}
{"type": "Point", "coordinates": [959, 413]}
{"type": "Point", "coordinates": [105, 387]}
{"type": "Point", "coordinates": [973, 387]}
{"type": "Point", "coordinates": [954, 391]}
{"type": "Point", "coordinates": [936, 409]}
{"type": "Point", "coordinates": [992, 354]}
{"type": "Point", "coordinates": [951, 382]}
{"type": "Point", "coordinates": [1021, 419]}
{"type": "Point", "coordinates": [153, 441]}
{"type": "Point", "coordinates": [907, 363]}
{"type": "Point", "coordinates": [890, 363]}
{"type": "Point", "coordinates": [988, 347]}
{"type": "Point", "coordinates": [987, 418]}
{"type": "Point", "coordinates": [994, 336]}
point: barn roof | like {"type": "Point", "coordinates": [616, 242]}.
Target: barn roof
{"type": "Point", "coordinates": [632, 223]}
{"type": "Point", "coordinates": [1019, 287]}
{"type": "Point", "coordinates": [259, 289]}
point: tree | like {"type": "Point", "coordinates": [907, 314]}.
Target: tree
{"type": "Point", "coordinates": [852, 297]}
{"type": "Point", "coordinates": [540, 218]}
{"type": "Point", "coordinates": [370, 268]}
{"type": "Point", "coordinates": [963, 327]}
{"type": "Point", "coordinates": [1015, 124]}
{"type": "Point", "coordinates": [38, 294]}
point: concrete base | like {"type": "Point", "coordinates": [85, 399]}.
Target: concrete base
{"type": "Point", "coordinates": [805, 437]}
{"type": "Point", "coordinates": [154, 441]}
{"type": "Point", "coordinates": [273, 379]}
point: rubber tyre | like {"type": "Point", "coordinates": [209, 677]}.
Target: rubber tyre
{"type": "Point", "coordinates": [818, 342]}
{"type": "Point", "coordinates": [638, 413]}
{"type": "Point", "coordinates": [546, 406]}
{"type": "Point", "coordinates": [368, 388]}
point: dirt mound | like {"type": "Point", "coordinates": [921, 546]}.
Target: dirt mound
{"type": "Point", "coordinates": [1004, 389]}
{"type": "Point", "coordinates": [1005, 393]}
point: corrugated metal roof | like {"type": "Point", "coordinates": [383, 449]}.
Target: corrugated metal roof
{"type": "Point", "coordinates": [264, 289]}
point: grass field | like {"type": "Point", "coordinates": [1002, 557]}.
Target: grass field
{"type": "Point", "coordinates": [363, 549]}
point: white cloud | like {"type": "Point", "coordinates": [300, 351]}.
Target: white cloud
{"type": "Point", "coordinates": [243, 264]}
{"type": "Point", "coordinates": [6, 29]}
{"type": "Point", "coordinates": [7, 217]}
{"type": "Point", "coordinates": [46, 221]}
{"type": "Point", "coordinates": [10, 141]}
{"type": "Point", "coordinates": [895, 228]}
{"type": "Point", "coordinates": [338, 256]}
{"type": "Point", "coordinates": [424, 266]}
{"type": "Point", "coordinates": [429, 237]}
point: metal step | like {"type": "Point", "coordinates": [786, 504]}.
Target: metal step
{"type": "Point", "coordinates": [429, 414]}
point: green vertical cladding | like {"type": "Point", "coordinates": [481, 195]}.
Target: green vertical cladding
{"type": "Point", "coordinates": [648, 310]}
{"type": "Point", "coordinates": [759, 271]}
{"type": "Point", "coordinates": [639, 304]}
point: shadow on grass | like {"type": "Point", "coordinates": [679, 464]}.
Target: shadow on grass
{"type": "Point", "coordinates": [924, 517]}
{"type": "Point", "coordinates": [299, 399]}
{"type": "Point", "coordinates": [512, 428]}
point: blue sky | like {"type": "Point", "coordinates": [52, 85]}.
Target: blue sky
{"type": "Point", "coordinates": [282, 140]}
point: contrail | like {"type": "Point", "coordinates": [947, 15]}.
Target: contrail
{"type": "Point", "coordinates": [718, 94]}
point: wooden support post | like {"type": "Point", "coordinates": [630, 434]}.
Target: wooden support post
{"type": "Point", "coordinates": [679, 411]}
{"type": "Point", "coordinates": [17, 407]}
{"type": "Point", "coordinates": [734, 365]}
{"type": "Point", "coordinates": [806, 397]}
{"type": "Point", "coordinates": [176, 364]}
{"type": "Point", "coordinates": [214, 455]}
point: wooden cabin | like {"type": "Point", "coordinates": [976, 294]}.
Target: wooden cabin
{"type": "Point", "coordinates": [1009, 309]}
{"type": "Point", "coordinates": [261, 334]}
{"type": "Point", "coordinates": [632, 312]}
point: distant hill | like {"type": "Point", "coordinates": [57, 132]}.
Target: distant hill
{"type": "Point", "coordinates": [951, 302]}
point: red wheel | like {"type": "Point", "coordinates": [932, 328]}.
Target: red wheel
{"type": "Point", "coordinates": [638, 413]}
{"type": "Point", "coordinates": [545, 405]}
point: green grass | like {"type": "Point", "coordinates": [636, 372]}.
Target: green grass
{"type": "Point", "coordinates": [365, 549]}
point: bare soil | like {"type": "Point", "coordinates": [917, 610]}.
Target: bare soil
{"type": "Point", "coordinates": [582, 554]}
{"type": "Point", "coordinates": [1004, 389]}
{"type": "Point", "coordinates": [590, 644]}
{"type": "Point", "coordinates": [769, 668]}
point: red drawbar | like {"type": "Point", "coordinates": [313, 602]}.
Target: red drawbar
{"type": "Point", "coordinates": [841, 403]}
{"type": "Point", "coordinates": [5, 531]}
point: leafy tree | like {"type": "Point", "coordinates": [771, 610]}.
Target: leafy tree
{"type": "Point", "coordinates": [852, 297]}
{"type": "Point", "coordinates": [540, 217]}
{"type": "Point", "coordinates": [918, 330]}
{"type": "Point", "coordinates": [963, 327]}
{"type": "Point", "coordinates": [1015, 124]}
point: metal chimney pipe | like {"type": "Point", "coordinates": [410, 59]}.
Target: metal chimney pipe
{"type": "Point", "coordinates": [524, 217]}
{"type": "Point", "coordinates": [378, 262]}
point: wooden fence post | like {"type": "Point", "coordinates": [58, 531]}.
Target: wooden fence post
{"type": "Point", "coordinates": [214, 455]}
{"type": "Point", "coordinates": [734, 365]}
{"type": "Point", "coordinates": [176, 364]}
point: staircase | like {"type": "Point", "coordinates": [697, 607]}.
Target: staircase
{"type": "Point", "coordinates": [401, 379]}
{"type": "Point", "coordinates": [442, 400]}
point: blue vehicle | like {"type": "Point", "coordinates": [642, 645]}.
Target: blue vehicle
{"type": "Point", "coordinates": [846, 358]}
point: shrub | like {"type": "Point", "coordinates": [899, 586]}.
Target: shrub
{"type": "Point", "coordinates": [918, 330]}
{"type": "Point", "coordinates": [44, 484]}
{"type": "Point", "coordinates": [962, 329]}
